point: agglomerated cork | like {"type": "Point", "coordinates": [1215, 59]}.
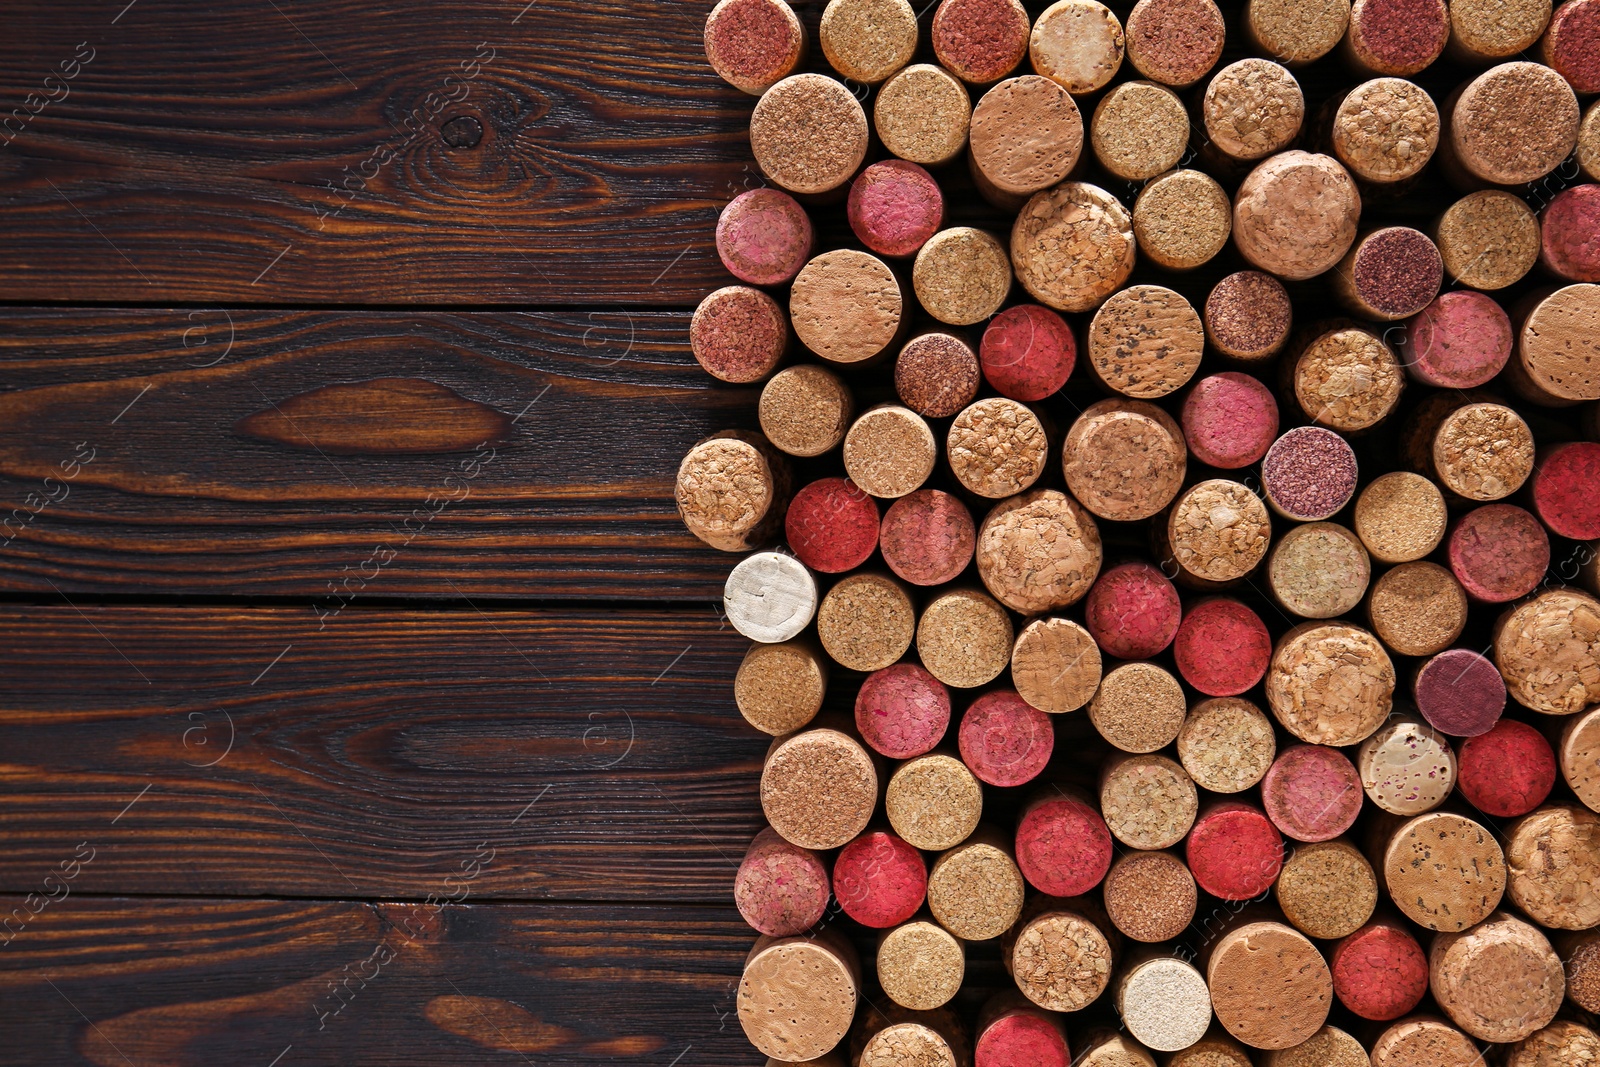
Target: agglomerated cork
{"type": "Point", "coordinates": [868, 40]}
{"type": "Point", "coordinates": [1508, 770]}
{"type": "Point", "coordinates": [1248, 316]}
{"type": "Point", "coordinates": [1548, 650]}
{"type": "Point", "coordinates": [1582, 953]}
{"type": "Point", "coordinates": [1380, 972]}
{"type": "Point", "coordinates": [1038, 552]}
{"type": "Point", "coordinates": [1553, 860]}
{"type": "Point", "coordinates": [1417, 608]}
{"type": "Point", "coordinates": [1252, 109]}
{"type": "Point", "coordinates": [1063, 846]}
{"type": "Point", "coordinates": [922, 114]}
{"type": "Point", "coordinates": [1077, 44]}
{"type": "Point", "coordinates": [738, 334]}
{"type": "Point", "coordinates": [1488, 239]}
{"type": "Point", "coordinates": [1234, 851]}
{"type": "Point", "coordinates": [818, 788]}
{"type": "Point", "coordinates": [808, 133]}
{"type": "Point", "coordinates": [731, 491]}
{"type": "Point", "coordinates": [1222, 647]}
{"type": "Point", "coordinates": [1328, 1047]}
{"type": "Point", "coordinates": [846, 306]}
{"type": "Point", "coordinates": [1149, 802]}
{"type": "Point", "coordinates": [997, 447]}
{"type": "Point", "coordinates": [1270, 987]}
{"type": "Point", "coordinates": [1482, 451]}
{"type": "Point", "coordinates": [1026, 135]}
{"type": "Point", "coordinates": [975, 890]}
{"type": "Point", "coordinates": [779, 688]}
{"type": "Point", "coordinates": [1346, 378]}
{"type": "Point", "coordinates": [1164, 1003]}
{"type": "Point", "coordinates": [1327, 889]}
{"type": "Point", "coordinates": [1072, 246]}
{"type": "Point", "coordinates": [1217, 531]}
{"type": "Point", "coordinates": [1055, 665]}
{"type": "Point", "coordinates": [1589, 142]}
{"type": "Point", "coordinates": [866, 622]}
{"type": "Point", "coordinates": [980, 41]}
{"type": "Point", "coordinates": [880, 880]}
{"type": "Point", "coordinates": [1145, 342]}
{"type": "Point", "coordinates": [1296, 214]}
{"type": "Point", "coordinates": [769, 597]}
{"type": "Point", "coordinates": [1319, 570]}
{"type": "Point", "coordinates": [1124, 460]}
{"type": "Point", "coordinates": [1150, 896]}
{"type": "Point", "coordinates": [964, 638]}
{"type": "Point", "coordinates": [1460, 341]}
{"type": "Point", "coordinates": [902, 711]}
{"type": "Point", "coordinates": [1561, 1044]}
{"type": "Point", "coordinates": [933, 801]}
{"type": "Point", "coordinates": [1580, 764]}
{"type": "Point", "coordinates": [928, 1040]}
{"type": "Point", "coordinates": [781, 889]}
{"type": "Point", "coordinates": [798, 995]}
{"type": "Point", "coordinates": [1558, 348]}
{"type": "Point", "coordinates": [1295, 32]}
{"type": "Point", "coordinates": [1482, 31]}
{"type": "Point", "coordinates": [1175, 42]}
{"type": "Point", "coordinates": [831, 525]}
{"type": "Point", "coordinates": [1106, 1049]}
{"type": "Point", "coordinates": [1568, 224]}
{"type": "Point", "coordinates": [1389, 274]}
{"type": "Point", "coordinates": [1182, 219]}
{"type": "Point", "coordinates": [936, 375]}
{"type": "Point", "coordinates": [1499, 981]}
{"type": "Point", "coordinates": [1216, 1049]}
{"type": "Point", "coordinates": [1139, 707]}
{"type": "Point", "coordinates": [1407, 767]}
{"type": "Point", "coordinates": [1514, 123]}
{"type": "Point", "coordinates": [1400, 517]}
{"type": "Point", "coordinates": [889, 451]}
{"type": "Point", "coordinates": [1226, 744]}
{"type": "Point", "coordinates": [920, 965]}
{"type": "Point", "coordinates": [752, 44]}
{"type": "Point", "coordinates": [1396, 37]}
{"type": "Point", "coordinates": [764, 237]}
{"type": "Point", "coordinates": [1498, 552]}
{"type": "Point", "coordinates": [1004, 740]}
{"type": "Point", "coordinates": [805, 410]}
{"type": "Point", "coordinates": [1568, 44]}
{"type": "Point", "coordinates": [1133, 611]}
{"type": "Point", "coordinates": [961, 276]}
{"type": "Point", "coordinates": [928, 537]}
{"type": "Point", "coordinates": [1330, 683]}
{"type": "Point", "coordinates": [1012, 1029]}
{"type": "Point", "coordinates": [894, 207]}
{"type": "Point", "coordinates": [1444, 871]}
{"type": "Point", "coordinates": [1424, 1042]}
{"type": "Point", "coordinates": [1061, 959]}
{"type": "Point", "coordinates": [1027, 352]}
{"type": "Point", "coordinates": [1312, 793]}
{"type": "Point", "coordinates": [1139, 130]}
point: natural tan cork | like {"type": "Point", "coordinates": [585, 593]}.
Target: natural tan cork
{"type": "Point", "coordinates": [1482, 31]}
{"type": "Point", "coordinates": [732, 490]}
{"type": "Point", "coordinates": [1102, 1048]}
{"type": "Point", "coordinates": [1139, 130]}
{"type": "Point", "coordinates": [1561, 1044]}
{"type": "Point", "coordinates": [1217, 531]}
{"type": "Point", "coordinates": [1296, 214]}
{"type": "Point", "coordinates": [1163, 1002]}
{"type": "Point", "coordinates": [890, 451]}
{"type": "Point", "coordinates": [1580, 763]}
{"type": "Point", "coordinates": [1548, 649]}
{"type": "Point", "coordinates": [933, 801]}
{"type": "Point", "coordinates": [1488, 239]}
{"type": "Point", "coordinates": [1424, 1042]}
{"type": "Point", "coordinates": [1499, 981]}
{"type": "Point", "coordinates": [922, 114]}
{"type": "Point", "coordinates": [1182, 219]}
{"type": "Point", "coordinates": [1553, 856]}
{"type": "Point", "coordinates": [1077, 44]}
{"type": "Point", "coordinates": [1061, 960]}
{"type": "Point", "coordinates": [1400, 516]}
{"type": "Point", "coordinates": [1444, 871]}
{"type": "Point", "coordinates": [1327, 889]}
{"type": "Point", "coordinates": [1483, 451]}
{"type": "Point", "coordinates": [1386, 130]}
{"type": "Point", "coordinates": [868, 40]}
{"type": "Point", "coordinates": [779, 688]}
{"type": "Point", "coordinates": [961, 275]}
{"type": "Point", "coordinates": [1150, 896]}
{"type": "Point", "coordinates": [805, 410]}
{"type": "Point", "coordinates": [1072, 246]}
{"type": "Point", "coordinates": [1328, 1047]}
{"type": "Point", "coordinates": [1027, 133]}
{"type": "Point", "coordinates": [1589, 142]}
{"type": "Point", "coordinates": [866, 622]}
{"type": "Point", "coordinates": [798, 995]}
{"type": "Point", "coordinates": [1417, 608]}
{"type": "Point", "coordinates": [1124, 460]}
{"type": "Point", "coordinates": [920, 965]}
{"type": "Point", "coordinates": [1558, 347]}
{"type": "Point", "coordinates": [1039, 551]}
{"type": "Point", "coordinates": [918, 1042]}
{"type": "Point", "coordinates": [1148, 801]}
{"type": "Point", "coordinates": [1513, 123]}
{"type": "Point", "coordinates": [1216, 1049]}
{"type": "Point", "coordinates": [1318, 570]}
{"type": "Point", "coordinates": [818, 788]}
{"type": "Point", "coordinates": [1330, 683]}
{"type": "Point", "coordinates": [1055, 665]}
{"type": "Point", "coordinates": [808, 133]}
{"type": "Point", "coordinates": [1146, 341]}
{"type": "Point", "coordinates": [1346, 378]}
{"type": "Point", "coordinates": [846, 306]}
{"type": "Point", "coordinates": [1252, 109]}
{"type": "Point", "coordinates": [1582, 953]}
{"type": "Point", "coordinates": [997, 447]}
{"type": "Point", "coordinates": [1270, 987]}
{"type": "Point", "coordinates": [964, 638]}
{"type": "Point", "coordinates": [1407, 767]}
{"type": "Point", "coordinates": [1139, 707]}
{"type": "Point", "coordinates": [1226, 744]}
{"type": "Point", "coordinates": [975, 890]}
{"type": "Point", "coordinates": [1295, 32]}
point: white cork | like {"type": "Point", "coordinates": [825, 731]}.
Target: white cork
{"type": "Point", "coordinates": [1164, 1003]}
{"type": "Point", "coordinates": [770, 597]}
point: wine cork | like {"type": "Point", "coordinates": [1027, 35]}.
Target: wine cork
{"type": "Point", "coordinates": [1078, 44]}
{"type": "Point", "coordinates": [770, 597]}
{"type": "Point", "coordinates": [1061, 959]}
{"type": "Point", "coordinates": [1513, 123]}
{"type": "Point", "coordinates": [1407, 767]}
{"type": "Point", "coordinates": [1175, 42]}
{"type": "Point", "coordinates": [808, 133]}
{"type": "Point", "coordinates": [1444, 871]}
{"type": "Point", "coordinates": [1380, 972]}
{"type": "Point", "coordinates": [1328, 1047]}
{"type": "Point", "coordinates": [1145, 342]}
{"type": "Point", "coordinates": [1138, 708]}
{"type": "Point", "coordinates": [1312, 793]}
{"type": "Point", "coordinates": [1235, 853]}
{"type": "Point", "coordinates": [1133, 611]}
{"type": "Point", "coordinates": [964, 638]}
{"type": "Point", "coordinates": [1498, 552]}
{"type": "Point", "coordinates": [1229, 420]}
{"type": "Point", "coordinates": [764, 237]}
{"type": "Point", "coordinates": [1346, 378]}
{"type": "Point", "coordinates": [1499, 981]}
{"type": "Point", "coordinates": [926, 1038]}
{"type": "Point", "coordinates": [961, 276]}
{"type": "Point", "coordinates": [1558, 347]}
{"type": "Point", "coordinates": [1226, 743]}
{"type": "Point", "coordinates": [846, 306]}
{"type": "Point", "coordinates": [1012, 1030]}
{"type": "Point", "coordinates": [1385, 130]}
{"type": "Point", "coordinates": [1328, 890]}
{"type": "Point", "coordinates": [920, 966]}
{"type": "Point", "coordinates": [1389, 274]}
{"type": "Point", "coordinates": [1460, 341]}
{"type": "Point", "coordinates": [1038, 552]}
{"type": "Point", "coordinates": [868, 40]}
{"type": "Point", "coordinates": [928, 537]}
{"type": "Point", "coordinates": [1418, 608]}
{"type": "Point", "coordinates": [1150, 896]}
{"type": "Point", "coordinates": [1248, 316]}
{"type": "Point", "coordinates": [975, 890]}
{"type": "Point", "coordinates": [1424, 1042]}
{"type": "Point", "coordinates": [1309, 474]}
{"type": "Point", "coordinates": [1055, 665]}
{"type": "Point", "coordinates": [818, 788]}
{"type": "Point", "coordinates": [1027, 352]}
{"type": "Point", "coordinates": [1580, 760]}
{"type": "Point", "coordinates": [922, 114]}
{"type": "Point", "coordinates": [1589, 142]}
{"type": "Point", "coordinates": [1400, 517]}
{"type": "Point", "coordinates": [934, 802]}
{"type": "Point", "coordinates": [779, 688]}
{"type": "Point", "coordinates": [889, 451]}
{"type": "Point", "coordinates": [1548, 650]}
{"type": "Point", "coordinates": [1269, 985]}
{"type": "Point", "coordinates": [997, 447]}
{"type": "Point", "coordinates": [1330, 683]}
{"type": "Point", "coordinates": [1027, 134]}
{"type": "Point", "coordinates": [1396, 37]}
{"type": "Point", "coordinates": [936, 375]}
{"type": "Point", "coordinates": [1072, 246]}
{"type": "Point", "coordinates": [1222, 649]}
{"type": "Point", "coordinates": [1553, 859]}
{"type": "Point", "coordinates": [798, 995]}
{"type": "Point", "coordinates": [1107, 1049]}
{"type": "Point", "coordinates": [752, 44]}
{"type": "Point", "coordinates": [1295, 33]}
{"type": "Point", "coordinates": [1182, 219]}
{"type": "Point", "coordinates": [831, 525]}
{"type": "Point", "coordinates": [1164, 1003]}
{"type": "Point", "coordinates": [1507, 771]}
{"type": "Point", "coordinates": [830, 1059]}
{"type": "Point", "coordinates": [1568, 44]}
{"type": "Point", "coordinates": [1567, 225]}
{"type": "Point", "coordinates": [781, 889]}
{"type": "Point", "coordinates": [731, 490]}
{"type": "Point", "coordinates": [1063, 845]}
{"type": "Point", "coordinates": [866, 622]}
{"type": "Point", "coordinates": [894, 207]}
{"type": "Point", "coordinates": [1139, 130]}
{"type": "Point", "coordinates": [1216, 1049]}
{"type": "Point", "coordinates": [879, 880]}
{"type": "Point", "coordinates": [1482, 31]}
{"type": "Point", "coordinates": [1252, 109]}
{"type": "Point", "coordinates": [1488, 239]}
{"type": "Point", "coordinates": [805, 410]}
{"type": "Point", "coordinates": [1459, 692]}
{"type": "Point", "coordinates": [1004, 740]}
{"type": "Point", "coordinates": [1582, 953]}
{"type": "Point", "coordinates": [1479, 451]}
{"type": "Point", "coordinates": [1124, 460]}
{"type": "Point", "coordinates": [1217, 531]}
{"type": "Point", "coordinates": [1295, 215]}
{"type": "Point", "coordinates": [980, 41]}
{"type": "Point", "coordinates": [1149, 802]}
{"type": "Point", "coordinates": [902, 711]}
{"type": "Point", "coordinates": [1319, 570]}
{"type": "Point", "coordinates": [1557, 1045]}
{"type": "Point", "coordinates": [1563, 490]}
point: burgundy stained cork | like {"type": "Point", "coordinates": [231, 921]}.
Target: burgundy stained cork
{"type": "Point", "coordinates": [1513, 123]}
{"type": "Point", "coordinates": [936, 375]}
{"type": "Point", "coordinates": [1498, 552]}
{"type": "Point", "coordinates": [1012, 1032]}
{"type": "Point", "coordinates": [1063, 845]}
{"type": "Point", "coordinates": [1380, 972]}
{"type": "Point", "coordinates": [1234, 851]}
{"type": "Point", "coordinates": [1222, 647]}
{"type": "Point", "coordinates": [1571, 44]}
{"type": "Point", "coordinates": [894, 207]}
{"type": "Point", "coordinates": [1499, 981]}
{"type": "Point", "coordinates": [902, 711]}
{"type": "Point", "coordinates": [1027, 353]}
{"type": "Point", "coordinates": [764, 237]}
{"type": "Point", "coordinates": [1296, 214]}
{"type": "Point", "coordinates": [1312, 793]}
{"type": "Point", "coordinates": [1389, 274]}
{"type": "Point", "coordinates": [1124, 459]}
{"type": "Point", "coordinates": [1460, 693]}
{"type": "Point", "coordinates": [1175, 42]}
{"type": "Point", "coordinates": [1398, 38]}
{"type": "Point", "coordinates": [1150, 896]}
{"type": "Point", "coordinates": [1295, 32]}
{"type": "Point", "coordinates": [880, 880]}
{"type": "Point", "coordinates": [752, 44]}
{"type": "Point", "coordinates": [928, 537]}
{"type": "Point", "coordinates": [1248, 316]}
{"type": "Point", "coordinates": [980, 41]}
{"type": "Point", "coordinates": [1580, 764]}
{"type": "Point", "coordinates": [1309, 474]}
{"type": "Point", "coordinates": [1564, 490]}
{"type": "Point", "coordinates": [739, 334]}
{"type": "Point", "coordinates": [1004, 740]}
{"type": "Point", "coordinates": [781, 889]}
{"type": "Point", "coordinates": [1569, 234]}
{"type": "Point", "coordinates": [1133, 611]}
{"type": "Point", "coordinates": [1229, 420]}
{"type": "Point", "coordinates": [832, 526]}
{"type": "Point", "coordinates": [1506, 771]}
{"type": "Point", "coordinates": [1459, 341]}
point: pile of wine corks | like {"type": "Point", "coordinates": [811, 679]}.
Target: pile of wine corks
{"type": "Point", "coordinates": [1167, 516]}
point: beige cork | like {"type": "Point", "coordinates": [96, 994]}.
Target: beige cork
{"type": "Point", "coordinates": [798, 995]}
{"type": "Point", "coordinates": [1148, 801]}
{"type": "Point", "coordinates": [819, 788]}
{"type": "Point", "coordinates": [922, 115]}
{"type": "Point", "coordinates": [1483, 451]}
{"type": "Point", "coordinates": [1175, 42]}
{"type": "Point", "coordinates": [1252, 109]}
{"type": "Point", "coordinates": [1488, 239]}
{"type": "Point", "coordinates": [1124, 460]}
{"type": "Point", "coordinates": [890, 451]}
{"type": "Point", "coordinates": [1318, 570]}
{"type": "Point", "coordinates": [805, 410]}
{"type": "Point", "coordinates": [920, 965]}
{"type": "Point", "coordinates": [1345, 377]}
{"type": "Point", "coordinates": [847, 306]}
{"type": "Point", "coordinates": [866, 622]}
{"type": "Point", "coordinates": [1163, 1002]}
{"type": "Point", "coordinates": [1217, 531]}
{"type": "Point", "coordinates": [1417, 608]}
{"type": "Point", "coordinates": [1078, 44]}
{"type": "Point", "coordinates": [769, 597]}
{"type": "Point", "coordinates": [1385, 130]}
{"type": "Point", "coordinates": [975, 890]}
{"type": "Point", "coordinates": [1400, 517]}
{"type": "Point", "coordinates": [1139, 707]}
{"type": "Point", "coordinates": [1328, 890]}
{"type": "Point", "coordinates": [1553, 859]}
{"type": "Point", "coordinates": [1407, 767]}
{"type": "Point", "coordinates": [1055, 665]}
{"type": "Point", "coordinates": [926, 1041]}
{"type": "Point", "coordinates": [779, 688]}
{"type": "Point", "coordinates": [933, 801]}
{"type": "Point", "coordinates": [1106, 1049]}
{"type": "Point", "coordinates": [1072, 246]}
{"type": "Point", "coordinates": [1027, 133]}
{"type": "Point", "coordinates": [1443, 870]}
{"type": "Point", "coordinates": [830, 1059]}
{"type": "Point", "coordinates": [808, 133]}
{"type": "Point", "coordinates": [1150, 896]}
{"type": "Point", "coordinates": [1548, 650]}
{"type": "Point", "coordinates": [1561, 1044]}
{"type": "Point", "coordinates": [752, 45]}
{"type": "Point", "coordinates": [1589, 142]}
{"type": "Point", "coordinates": [1580, 761]}
{"type": "Point", "coordinates": [1513, 123]}
{"type": "Point", "coordinates": [1061, 959]}
{"type": "Point", "coordinates": [961, 275]}
{"type": "Point", "coordinates": [1499, 981]}
{"type": "Point", "coordinates": [1558, 346]}
{"type": "Point", "coordinates": [1139, 130]}
{"type": "Point", "coordinates": [1039, 551]}
{"type": "Point", "coordinates": [1424, 1042]}
{"type": "Point", "coordinates": [868, 40]}
{"type": "Point", "coordinates": [1330, 683]}
{"type": "Point", "coordinates": [1296, 214]}
{"type": "Point", "coordinates": [732, 490]}
{"type": "Point", "coordinates": [1145, 342]}
{"type": "Point", "coordinates": [1328, 1047]}
{"type": "Point", "coordinates": [1226, 744]}
{"type": "Point", "coordinates": [1582, 953]}
{"type": "Point", "coordinates": [964, 638]}
{"type": "Point", "coordinates": [1216, 1049]}
{"type": "Point", "coordinates": [997, 447]}
{"type": "Point", "coordinates": [1182, 219]}
{"type": "Point", "coordinates": [1270, 987]}
{"type": "Point", "coordinates": [1483, 31]}
{"type": "Point", "coordinates": [1295, 32]}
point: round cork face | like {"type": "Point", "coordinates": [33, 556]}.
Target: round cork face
{"type": "Point", "coordinates": [779, 688]}
{"type": "Point", "coordinates": [770, 597]}
{"type": "Point", "coordinates": [1133, 611]}
{"type": "Point", "coordinates": [1444, 871]}
{"type": "Point", "coordinates": [1486, 29]}
{"type": "Point", "coordinates": [1027, 133]}
{"type": "Point", "coordinates": [1514, 123]}
{"type": "Point", "coordinates": [1150, 896]}
{"type": "Point", "coordinates": [866, 622]}
{"type": "Point", "coordinates": [1397, 37]}
{"type": "Point", "coordinates": [928, 537]}
{"type": "Point", "coordinates": [752, 44]}
{"type": "Point", "coordinates": [894, 207]}
{"type": "Point", "coordinates": [889, 451]}
{"type": "Point", "coordinates": [1124, 460]}
{"type": "Point", "coordinates": [920, 966]}
{"type": "Point", "coordinates": [1055, 665]}
{"type": "Point", "coordinates": [980, 41]}
{"type": "Point", "coordinates": [1568, 224]}
{"type": "Point", "coordinates": [1218, 530]}
{"type": "Point", "coordinates": [1330, 683]}
{"type": "Point", "coordinates": [976, 891]}
{"type": "Point", "coordinates": [1558, 346]}
{"type": "Point", "coordinates": [727, 492]}
{"type": "Point", "coordinates": [808, 133]}
{"type": "Point", "coordinates": [1328, 1047]}
{"type": "Point", "coordinates": [1380, 972]}
{"type": "Point", "coordinates": [1580, 757]}
{"type": "Point", "coordinates": [1269, 985]}
{"type": "Point", "coordinates": [1252, 109]}
{"type": "Point", "coordinates": [764, 237]}
{"type": "Point", "coordinates": [1554, 862]}
{"type": "Point", "coordinates": [1508, 770]}
{"type": "Point", "coordinates": [1312, 793]}
{"type": "Point", "coordinates": [961, 276]}
{"type": "Point", "coordinates": [738, 334]}
{"type": "Point", "coordinates": [1078, 44]}
{"type": "Point", "coordinates": [1498, 552]}
{"type": "Point", "coordinates": [1570, 44]}
{"type": "Point", "coordinates": [1072, 246]}
{"type": "Point", "coordinates": [1222, 648]}
{"type": "Point", "coordinates": [1061, 961]}
{"type": "Point", "coordinates": [1248, 316]}
{"type": "Point", "coordinates": [1499, 982]}
{"type": "Point", "coordinates": [1023, 1036]}
{"type": "Point", "coordinates": [908, 1042]}
{"type": "Point", "coordinates": [879, 880]}
{"type": "Point", "coordinates": [1295, 215]}
{"type": "Point", "coordinates": [1164, 1003]}
{"type": "Point", "coordinates": [1560, 1043]}
{"type": "Point", "coordinates": [997, 447]}
{"type": "Point", "coordinates": [1548, 650]}
{"type": "Point", "coordinates": [780, 890]}
{"type": "Point", "coordinates": [1589, 142]}
{"type": "Point", "coordinates": [1216, 1049]}
{"type": "Point", "coordinates": [1149, 802]}
{"type": "Point", "coordinates": [1139, 130]}
{"type": "Point", "coordinates": [868, 40]}
{"type": "Point", "coordinates": [934, 802]}
{"type": "Point", "coordinates": [1459, 341]}
{"type": "Point", "coordinates": [1564, 490]}
{"type": "Point", "coordinates": [1138, 708]}
{"type": "Point", "coordinates": [1424, 1042]}
{"type": "Point", "coordinates": [1348, 379]}
{"type": "Point", "coordinates": [1038, 552]}
{"type": "Point", "coordinates": [1028, 352]}
{"type": "Point", "coordinates": [1460, 693]}
{"type": "Point", "coordinates": [1488, 239]}
{"type": "Point", "coordinates": [1295, 31]}
{"type": "Point", "coordinates": [1230, 420]}
{"type": "Point", "coordinates": [922, 114]}
{"type": "Point", "coordinates": [818, 789]}
{"type": "Point", "coordinates": [1392, 273]}
{"type": "Point", "coordinates": [831, 525]}
{"type": "Point", "coordinates": [1063, 846]}
{"type": "Point", "coordinates": [1583, 970]}
{"type": "Point", "coordinates": [1004, 740]}
{"type": "Point", "coordinates": [1318, 570]}
{"type": "Point", "coordinates": [1145, 342]}
{"type": "Point", "coordinates": [1182, 219]}
{"type": "Point", "coordinates": [1417, 608]}
{"type": "Point", "coordinates": [1327, 890]}
{"type": "Point", "coordinates": [805, 410]}
{"type": "Point", "coordinates": [1175, 42]}
{"type": "Point", "coordinates": [1386, 130]}
{"type": "Point", "coordinates": [902, 711]}
{"type": "Point", "coordinates": [846, 306]}
{"type": "Point", "coordinates": [936, 375]}
{"type": "Point", "coordinates": [964, 638]}
{"type": "Point", "coordinates": [797, 999]}
{"type": "Point", "coordinates": [1407, 767]}
{"type": "Point", "coordinates": [1400, 517]}
{"type": "Point", "coordinates": [1226, 744]}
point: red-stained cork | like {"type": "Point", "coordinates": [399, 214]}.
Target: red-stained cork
{"type": "Point", "coordinates": [894, 207]}
{"type": "Point", "coordinates": [1133, 611]}
{"type": "Point", "coordinates": [1175, 42]}
{"type": "Point", "coordinates": [1397, 37]}
{"type": "Point", "coordinates": [752, 44]}
{"type": "Point", "coordinates": [1508, 771]}
{"type": "Point", "coordinates": [980, 41]}
{"type": "Point", "coordinates": [1063, 846]}
{"type": "Point", "coordinates": [880, 880]}
{"type": "Point", "coordinates": [831, 525]}
{"type": "Point", "coordinates": [1234, 851]}
{"type": "Point", "coordinates": [1498, 552]}
{"type": "Point", "coordinates": [1222, 648]}
{"type": "Point", "coordinates": [1248, 316]}
{"type": "Point", "coordinates": [1460, 341]}
{"type": "Point", "coordinates": [1571, 44]}
{"type": "Point", "coordinates": [928, 537]}
{"type": "Point", "coordinates": [1004, 740]}
{"type": "Point", "coordinates": [781, 889]}
{"type": "Point", "coordinates": [739, 334]}
{"type": "Point", "coordinates": [1390, 274]}
{"type": "Point", "coordinates": [1380, 972]}
{"type": "Point", "coordinates": [1027, 352]}
{"type": "Point", "coordinates": [1566, 490]}
{"type": "Point", "coordinates": [1569, 233]}
{"type": "Point", "coordinates": [902, 711]}
{"type": "Point", "coordinates": [764, 237]}
{"type": "Point", "coordinates": [1309, 474]}
{"type": "Point", "coordinates": [1229, 420]}
{"type": "Point", "coordinates": [1018, 1036]}
{"type": "Point", "coordinates": [1460, 693]}
{"type": "Point", "coordinates": [1312, 793]}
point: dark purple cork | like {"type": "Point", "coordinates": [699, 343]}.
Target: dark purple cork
{"type": "Point", "coordinates": [1309, 474]}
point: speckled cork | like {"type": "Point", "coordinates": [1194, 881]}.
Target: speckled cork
{"type": "Point", "coordinates": [1400, 517]}
{"type": "Point", "coordinates": [1226, 743]}
{"type": "Point", "coordinates": [779, 688]}
{"type": "Point", "coordinates": [831, 525]}
{"type": "Point", "coordinates": [1229, 420]}
{"type": "Point", "coordinates": [1396, 37]}
{"type": "Point", "coordinates": [1039, 551]}
{"type": "Point", "coordinates": [1459, 692]}
{"type": "Point", "coordinates": [933, 801]}
{"type": "Point", "coordinates": [739, 334]}
{"type": "Point", "coordinates": [976, 888]}
{"type": "Point", "coordinates": [889, 451]}
{"type": "Point", "coordinates": [868, 40]}
{"type": "Point", "coordinates": [1569, 44]}
{"type": "Point", "coordinates": [929, 1038]}
{"type": "Point", "coordinates": [1139, 129]}
{"type": "Point", "coordinates": [1124, 460]}
{"type": "Point", "coordinates": [1424, 1042]}
{"type": "Point", "coordinates": [1553, 859]}
{"type": "Point", "coordinates": [1027, 352]}
{"type": "Point", "coordinates": [808, 133]}
{"type": "Point", "coordinates": [1252, 109]}
{"type": "Point", "coordinates": [1318, 570]}
{"type": "Point", "coordinates": [1345, 377]}
{"type": "Point", "coordinates": [997, 447]}
{"type": "Point", "coordinates": [1389, 274]}
{"type": "Point", "coordinates": [1248, 316]}
{"type": "Point", "coordinates": [1295, 32]}
{"type": "Point", "coordinates": [1234, 852]}
{"type": "Point", "coordinates": [1217, 531]}
{"type": "Point", "coordinates": [1444, 871]}
{"type": "Point", "coordinates": [964, 638]}
{"type": "Point", "coordinates": [894, 207]}
{"type": "Point", "coordinates": [1507, 771]}
{"type": "Point", "coordinates": [1004, 740]}
{"type": "Point", "coordinates": [1548, 650]}
{"type": "Point", "coordinates": [1498, 552]}
{"type": "Point", "coordinates": [1175, 42]}
{"type": "Point", "coordinates": [1328, 890]}
{"type": "Point", "coordinates": [846, 306]}
{"type": "Point", "coordinates": [1149, 802]}
{"type": "Point", "coordinates": [1385, 130]}
{"type": "Point", "coordinates": [1163, 1002]}
{"type": "Point", "coordinates": [1513, 123]}
{"type": "Point", "coordinates": [752, 44]}
{"type": "Point", "coordinates": [1150, 896]}
{"type": "Point", "coordinates": [928, 537]}
{"type": "Point", "coordinates": [781, 889]}
{"type": "Point", "coordinates": [1133, 611]}
{"type": "Point", "coordinates": [1482, 31]}
{"type": "Point", "coordinates": [1499, 981]}
{"type": "Point", "coordinates": [961, 276]}
{"type": "Point", "coordinates": [1216, 1049]}
{"type": "Point", "coordinates": [1589, 142]}
{"type": "Point", "coordinates": [1558, 348]}
{"type": "Point", "coordinates": [1330, 683]}
{"type": "Point", "coordinates": [1061, 959]}
{"type": "Point", "coordinates": [1312, 793]}
{"type": "Point", "coordinates": [1563, 489]}
{"type": "Point", "coordinates": [1026, 135]}
{"type": "Point", "coordinates": [1182, 219]}
{"type": "Point", "coordinates": [866, 622]}
{"type": "Point", "coordinates": [1073, 245]}
{"type": "Point", "coordinates": [902, 711]}
{"type": "Point", "coordinates": [805, 410]}
{"type": "Point", "coordinates": [1582, 954]}
{"type": "Point", "coordinates": [1568, 224]}
{"type": "Point", "coordinates": [1013, 1031]}
{"type": "Point", "coordinates": [1138, 708]}
{"type": "Point", "coordinates": [1407, 767]}
{"type": "Point", "coordinates": [818, 788]}
{"type": "Point", "coordinates": [1055, 665]}
{"type": "Point", "coordinates": [731, 491]}
{"type": "Point", "coordinates": [936, 375]}
{"type": "Point", "coordinates": [1102, 1048]}
{"type": "Point", "coordinates": [1145, 342]}
{"type": "Point", "coordinates": [1222, 649]}
{"type": "Point", "coordinates": [1328, 1047]}
{"type": "Point", "coordinates": [920, 966]}
{"type": "Point", "coordinates": [1296, 214]}
{"type": "Point", "coordinates": [769, 597]}
{"type": "Point", "coordinates": [798, 995]}
{"type": "Point", "coordinates": [1417, 608]}
{"type": "Point", "coordinates": [1459, 341]}
{"type": "Point", "coordinates": [980, 41]}
{"type": "Point", "coordinates": [922, 114]}
{"type": "Point", "coordinates": [1560, 1044]}
{"type": "Point", "coordinates": [1269, 985]}
{"type": "Point", "coordinates": [1379, 971]}
{"type": "Point", "coordinates": [1063, 845]}
{"type": "Point", "coordinates": [1488, 239]}
{"type": "Point", "coordinates": [1078, 44]}
{"type": "Point", "coordinates": [1580, 758]}
{"type": "Point", "coordinates": [764, 237]}
{"type": "Point", "coordinates": [879, 880]}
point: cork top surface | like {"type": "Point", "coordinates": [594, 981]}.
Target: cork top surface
{"type": "Point", "coordinates": [907, 1044]}
{"type": "Point", "coordinates": [1252, 109]}
{"type": "Point", "coordinates": [1226, 744]}
{"type": "Point", "coordinates": [779, 688]}
{"type": "Point", "coordinates": [868, 40]}
{"type": "Point", "coordinates": [1182, 219]}
{"type": "Point", "coordinates": [1139, 707]}
{"type": "Point", "coordinates": [753, 43]}
{"type": "Point", "coordinates": [928, 537]}
{"type": "Point", "coordinates": [1488, 239]}
{"type": "Point", "coordinates": [980, 41]}
{"type": "Point", "coordinates": [1328, 1047]}
{"type": "Point", "coordinates": [1589, 142]}
{"type": "Point", "coordinates": [1027, 133]}
{"type": "Point", "coordinates": [1327, 889]}
{"type": "Point", "coordinates": [1561, 1044]}
{"type": "Point", "coordinates": [1418, 608]}
{"type": "Point", "coordinates": [1497, 29]}
{"type": "Point", "coordinates": [1553, 862]}
{"type": "Point", "coordinates": [808, 133]}
{"type": "Point", "coordinates": [1077, 44]}
{"type": "Point", "coordinates": [1055, 665]}
{"type": "Point", "coordinates": [920, 966]}
{"type": "Point", "coordinates": [769, 597]}
{"type": "Point", "coordinates": [922, 114]}
{"type": "Point", "coordinates": [1424, 1042]}
{"type": "Point", "coordinates": [1295, 215]}
{"type": "Point", "coordinates": [890, 451]}
{"type": "Point", "coordinates": [805, 410]}
{"type": "Point", "coordinates": [1248, 315]}
{"type": "Point", "coordinates": [1297, 31]}
{"type": "Point", "coordinates": [1061, 961]}
{"type": "Point", "coordinates": [933, 801]}
{"type": "Point", "coordinates": [846, 305]}
{"type": "Point", "coordinates": [1148, 801]}
{"type": "Point", "coordinates": [1175, 42]}
{"type": "Point", "coordinates": [1483, 451]}
{"type": "Point", "coordinates": [1139, 130]}
{"type": "Point", "coordinates": [1124, 460]}
{"type": "Point", "coordinates": [1319, 570]}
{"type": "Point", "coordinates": [1146, 341]}
{"type": "Point", "coordinates": [1072, 246]}
{"type": "Point", "coordinates": [1386, 130]}
{"type": "Point", "coordinates": [819, 788]}
{"type": "Point", "coordinates": [1548, 649]}
{"type": "Point", "coordinates": [738, 334]}
{"type": "Point", "coordinates": [936, 375]}
{"type": "Point", "coordinates": [1150, 896]}
{"type": "Point", "coordinates": [997, 447]}
{"type": "Point", "coordinates": [1218, 530]}
{"type": "Point", "coordinates": [1038, 551]}
{"type": "Point", "coordinates": [1270, 986]}
{"type": "Point", "coordinates": [1444, 871]}
{"type": "Point", "coordinates": [1215, 1050]}
{"type": "Point", "coordinates": [962, 275]}
{"type": "Point", "coordinates": [1499, 981]}
{"type": "Point", "coordinates": [1514, 123]}
{"type": "Point", "coordinates": [1400, 517]}
{"type": "Point", "coordinates": [1407, 767]}
{"type": "Point", "coordinates": [1164, 1003]}
{"type": "Point", "coordinates": [797, 999]}
{"type": "Point", "coordinates": [725, 489]}
{"type": "Point", "coordinates": [1580, 760]}
{"type": "Point", "coordinates": [1397, 36]}
{"type": "Point", "coordinates": [975, 891]}
{"type": "Point", "coordinates": [1347, 379]}
{"type": "Point", "coordinates": [1558, 346]}
{"type": "Point", "coordinates": [1330, 683]}
{"type": "Point", "coordinates": [866, 622]}
{"type": "Point", "coordinates": [964, 638]}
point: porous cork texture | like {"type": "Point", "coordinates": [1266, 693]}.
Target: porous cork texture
{"type": "Point", "coordinates": [779, 688]}
{"type": "Point", "coordinates": [1499, 981]}
{"type": "Point", "coordinates": [890, 451]}
{"type": "Point", "coordinates": [1149, 802]}
{"type": "Point", "coordinates": [1124, 460]}
{"type": "Point", "coordinates": [1569, 223]}
{"type": "Point", "coordinates": [1164, 1003]}
{"type": "Point", "coordinates": [1061, 960]}
{"type": "Point", "coordinates": [920, 966]}
{"type": "Point", "coordinates": [1483, 451]}
{"type": "Point", "coordinates": [922, 114]}
{"type": "Point", "coordinates": [928, 537]}
{"type": "Point", "coordinates": [1027, 133]}
{"type": "Point", "coordinates": [1175, 42]}
{"type": "Point", "coordinates": [1222, 647]}
{"type": "Point", "coordinates": [1548, 650]}
{"type": "Point", "coordinates": [1407, 767]}
{"type": "Point", "coordinates": [1330, 683]}
{"type": "Point", "coordinates": [961, 276]}
{"type": "Point", "coordinates": [1327, 889]}
{"type": "Point", "coordinates": [1077, 44]}
{"type": "Point", "coordinates": [1038, 552]}
{"type": "Point", "coordinates": [1150, 896]}
{"type": "Point", "coordinates": [964, 638]}
{"type": "Point", "coordinates": [1106, 1049]}
{"type": "Point", "coordinates": [797, 997]}
{"type": "Point", "coordinates": [894, 207]}
{"type": "Point", "coordinates": [933, 802]}
{"type": "Point", "coordinates": [805, 410]}
{"type": "Point", "coordinates": [1589, 143]}
{"type": "Point", "coordinates": [1418, 608]}
{"type": "Point", "coordinates": [868, 40]}
{"type": "Point", "coordinates": [1558, 346]}
{"type": "Point", "coordinates": [1488, 239]}
{"type": "Point", "coordinates": [1485, 30]}
{"type": "Point", "coordinates": [808, 133]}
{"type": "Point", "coordinates": [819, 788]}
{"type": "Point", "coordinates": [1347, 379]}
{"type": "Point", "coordinates": [1145, 342]}
{"type": "Point", "coordinates": [1027, 352]}
{"type": "Point", "coordinates": [1226, 744]}
{"type": "Point", "coordinates": [902, 711]}
{"type": "Point", "coordinates": [780, 890]}
{"type": "Point", "coordinates": [1182, 219]}
{"type": "Point", "coordinates": [1318, 570]}
{"type": "Point", "coordinates": [1055, 665]}
{"type": "Point", "coordinates": [764, 237]}
{"type": "Point", "coordinates": [1309, 473]}
{"type": "Point", "coordinates": [975, 890]}
{"type": "Point", "coordinates": [1230, 420]}
{"type": "Point", "coordinates": [1553, 860]}
{"type": "Point", "coordinates": [1296, 214]}
{"type": "Point", "coordinates": [1424, 1042]}
{"type": "Point", "coordinates": [1139, 130]}
{"type": "Point", "coordinates": [1391, 273]}
{"type": "Point", "coordinates": [936, 375]}
{"type": "Point", "coordinates": [1444, 871]}
{"type": "Point", "coordinates": [1270, 987]}
{"type": "Point", "coordinates": [1498, 552]}
{"type": "Point", "coordinates": [1252, 109]}
{"type": "Point", "coordinates": [1296, 32]}
{"type": "Point", "coordinates": [738, 334]}
{"type": "Point", "coordinates": [1312, 793]}
{"type": "Point", "coordinates": [1400, 517]}
{"type": "Point", "coordinates": [1213, 1050]}
{"type": "Point", "coordinates": [1460, 341]}
{"type": "Point", "coordinates": [1072, 246]}
{"type": "Point", "coordinates": [1582, 953]}
{"type": "Point", "coordinates": [1561, 1044]}
{"type": "Point", "coordinates": [753, 43]}
{"type": "Point", "coordinates": [1139, 707]}
{"type": "Point", "coordinates": [1514, 123]}
{"type": "Point", "coordinates": [1569, 41]}
{"type": "Point", "coordinates": [1396, 37]}
{"type": "Point", "coordinates": [1580, 766]}
{"type": "Point", "coordinates": [1218, 531]}
{"type": "Point", "coordinates": [980, 41]}
{"type": "Point", "coordinates": [1328, 1047]}
{"type": "Point", "coordinates": [904, 1043]}
{"type": "Point", "coordinates": [997, 447]}
{"type": "Point", "coordinates": [866, 622]}
{"type": "Point", "coordinates": [730, 490]}
{"type": "Point", "coordinates": [1248, 316]}
{"type": "Point", "coordinates": [846, 306]}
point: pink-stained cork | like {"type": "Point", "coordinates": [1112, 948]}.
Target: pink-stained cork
{"type": "Point", "coordinates": [1571, 44]}
{"type": "Point", "coordinates": [1498, 552]}
{"type": "Point", "coordinates": [894, 207]}
{"type": "Point", "coordinates": [928, 537]}
{"type": "Point", "coordinates": [1312, 793]}
{"type": "Point", "coordinates": [1063, 846]}
{"type": "Point", "coordinates": [1230, 420]}
{"type": "Point", "coordinates": [1004, 740]}
{"type": "Point", "coordinates": [1309, 474]}
{"type": "Point", "coordinates": [1222, 647]}
{"type": "Point", "coordinates": [1460, 693]}
{"type": "Point", "coordinates": [1507, 771]}
{"type": "Point", "coordinates": [739, 334]}
{"type": "Point", "coordinates": [752, 44]}
{"type": "Point", "coordinates": [902, 711]}
{"type": "Point", "coordinates": [880, 880]}
{"type": "Point", "coordinates": [980, 41]}
{"type": "Point", "coordinates": [1234, 851]}
{"type": "Point", "coordinates": [781, 889]}
{"type": "Point", "coordinates": [764, 237]}
{"type": "Point", "coordinates": [1460, 341]}
{"type": "Point", "coordinates": [1028, 352]}
{"type": "Point", "coordinates": [831, 525]}
{"type": "Point", "coordinates": [1569, 233]}
{"type": "Point", "coordinates": [1398, 37]}
{"type": "Point", "coordinates": [1380, 972]}
{"type": "Point", "coordinates": [1022, 1037]}
{"type": "Point", "coordinates": [1133, 611]}
{"type": "Point", "coordinates": [1566, 490]}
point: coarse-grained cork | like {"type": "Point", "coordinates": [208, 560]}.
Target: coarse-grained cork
{"type": "Point", "coordinates": [1561, 1044]}
{"type": "Point", "coordinates": [738, 334]}
{"type": "Point", "coordinates": [1252, 109]}
{"type": "Point", "coordinates": [1061, 958]}
{"type": "Point", "coordinates": [1443, 870]}
{"type": "Point", "coordinates": [1139, 707]}
{"type": "Point", "coordinates": [752, 44]}
{"type": "Point", "coordinates": [1222, 648]}
{"type": "Point", "coordinates": [1039, 551]}
{"type": "Point", "coordinates": [1027, 133]}
{"type": "Point", "coordinates": [1163, 1002]}
{"type": "Point", "coordinates": [1380, 972]}
{"type": "Point", "coordinates": [1558, 347]}
{"type": "Point", "coordinates": [769, 597]}
{"type": "Point", "coordinates": [1548, 649]}
{"type": "Point", "coordinates": [866, 622]}
{"type": "Point", "coordinates": [1063, 846]}
{"type": "Point", "coordinates": [798, 995]}
{"type": "Point", "coordinates": [975, 889]}
{"type": "Point", "coordinates": [1004, 740]}
{"type": "Point", "coordinates": [1312, 793]}
{"type": "Point", "coordinates": [1328, 1047]}
{"type": "Point", "coordinates": [779, 688]}
{"type": "Point", "coordinates": [1499, 981]}
{"type": "Point", "coordinates": [1390, 273]}
{"type": "Point", "coordinates": [1580, 763]}
{"type": "Point", "coordinates": [1407, 767]}
{"type": "Point", "coordinates": [1145, 342]}
{"type": "Point", "coordinates": [1568, 225]}
{"type": "Point", "coordinates": [1568, 44]}
{"type": "Point", "coordinates": [1483, 451]}
{"type": "Point", "coordinates": [1488, 239]}
{"type": "Point", "coordinates": [920, 965]}
{"type": "Point", "coordinates": [936, 375]}
{"type": "Point", "coordinates": [1139, 130]}
{"type": "Point", "coordinates": [781, 889]}
{"type": "Point", "coordinates": [805, 410]}
{"type": "Point", "coordinates": [933, 801]}
{"type": "Point", "coordinates": [1150, 896]}
{"type": "Point", "coordinates": [902, 711]}
{"type": "Point", "coordinates": [1318, 570]}
{"type": "Point", "coordinates": [1345, 377]}
{"type": "Point", "coordinates": [1124, 459]}
{"type": "Point", "coordinates": [1553, 859]}
{"type": "Point", "coordinates": [894, 207]}
{"type": "Point", "coordinates": [1077, 44]}
{"type": "Point", "coordinates": [1270, 987]}
{"type": "Point", "coordinates": [1386, 130]}
{"type": "Point", "coordinates": [1248, 316]}
{"type": "Point", "coordinates": [926, 1039]}
{"type": "Point", "coordinates": [922, 114]}
{"type": "Point", "coordinates": [1400, 517]}
{"type": "Point", "coordinates": [1295, 32]}
{"type": "Point", "coordinates": [1217, 531]}
{"type": "Point", "coordinates": [1417, 608]}
{"type": "Point", "coordinates": [831, 525]}
{"type": "Point", "coordinates": [1226, 744]}
{"type": "Point", "coordinates": [1012, 1029]}
{"type": "Point", "coordinates": [1182, 219]}
{"type": "Point", "coordinates": [889, 451]}
{"type": "Point", "coordinates": [1482, 31]}
{"type": "Point", "coordinates": [928, 537]}
{"type": "Point", "coordinates": [1175, 42]}
{"type": "Point", "coordinates": [1330, 683]}
{"type": "Point", "coordinates": [964, 638]}
{"type": "Point", "coordinates": [818, 788]}
{"type": "Point", "coordinates": [731, 491]}
{"type": "Point", "coordinates": [1513, 123]}
{"type": "Point", "coordinates": [1423, 1041]}
{"type": "Point", "coordinates": [1102, 1048]}
{"type": "Point", "coordinates": [997, 447]}
{"type": "Point", "coordinates": [846, 306]}
{"type": "Point", "coordinates": [1396, 37]}
{"type": "Point", "coordinates": [1055, 665]}
{"type": "Point", "coordinates": [1460, 341]}
{"type": "Point", "coordinates": [1133, 611]}
{"type": "Point", "coordinates": [1149, 802]}
{"type": "Point", "coordinates": [1296, 214]}
{"type": "Point", "coordinates": [980, 41]}
{"type": "Point", "coordinates": [1072, 246]}
{"type": "Point", "coordinates": [1589, 142]}
{"type": "Point", "coordinates": [961, 276]}
{"type": "Point", "coordinates": [808, 133]}
{"type": "Point", "coordinates": [868, 40]}
{"type": "Point", "coordinates": [1216, 1049]}
{"type": "Point", "coordinates": [1327, 889]}
{"type": "Point", "coordinates": [1582, 954]}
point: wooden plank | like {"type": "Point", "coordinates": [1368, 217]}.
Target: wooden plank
{"type": "Point", "coordinates": [596, 754]}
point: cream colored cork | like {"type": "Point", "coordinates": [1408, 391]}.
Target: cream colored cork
{"type": "Point", "coordinates": [1499, 981]}
{"type": "Point", "coordinates": [909, 1044]}
{"type": "Point", "coordinates": [868, 40]}
{"type": "Point", "coordinates": [1330, 683]}
{"type": "Point", "coordinates": [1217, 531]}
{"type": "Point", "coordinates": [1483, 451]}
{"type": "Point", "coordinates": [819, 788]}
{"type": "Point", "coordinates": [1561, 1044]}
{"type": "Point", "coordinates": [890, 451]}
{"type": "Point", "coordinates": [805, 410]}
{"type": "Point", "coordinates": [964, 638]}
{"type": "Point", "coordinates": [1482, 31]}
{"type": "Point", "coordinates": [1061, 959]}
{"type": "Point", "coordinates": [1488, 239]}
{"type": "Point", "coordinates": [920, 965]}
{"type": "Point", "coordinates": [1252, 109]}
{"type": "Point", "coordinates": [808, 133]}
{"type": "Point", "coordinates": [779, 688]}
{"type": "Point", "coordinates": [1407, 767]}
{"type": "Point", "coordinates": [1226, 744]}
{"type": "Point", "coordinates": [922, 114]}
{"type": "Point", "coordinates": [1139, 707]}
{"type": "Point", "coordinates": [1139, 130]}
{"type": "Point", "coordinates": [975, 890]}
{"type": "Point", "coordinates": [1418, 608]}
{"type": "Point", "coordinates": [1146, 341]}
{"type": "Point", "coordinates": [1106, 1049]}
{"type": "Point", "coordinates": [1038, 552]}
{"type": "Point", "coordinates": [1072, 246]}
{"type": "Point", "coordinates": [1558, 346]}
{"type": "Point", "coordinates": [1328, 1047]}
{"type": "Point", "coordinates": [1589, 142]}
{"type": "Point", "coordinates": [798, 995]}
{"type": "Point", "coordinates": [1580, 759]}
{"type": "Point", "coordinates": [933, 801]}
{"type": "Point", "coordinates": [1421, 1041]}
{"type": "Point", "coordinates": [1182, 219]}
{"type": "Point", "coordinates": [846, 306]}
{"type": "Point", "coordinates": [866, 622]}
{"type": "Point", "coordinates": [1164, 1003]}
{"type": "Point", "coordinates": [1296, 214]}
{"type": "Point", "coordinates": [1444, 871]}
{"type": "Point", "coordinates": [1027, 133]}
{"type": "Point", "coordinates": [1328, 890]}
{"type": "Point", "coordinates": [731, 491]}
{"type": "Point", "coordinates": [1319, 570]}
{"type": "Point", "coordinates": [1548, 650]}
{"type": "Point", "coordinates": [997, 447]}
{"type": "Point", "coordinates": [1346, 378]}
{"type": "Point", "coordinates": [769, 597]}
{"type": "Point", "coordinates": [1150, 896]}
{"type": "Point", "coordinates": [1216, 1049]}
{"type": "Point", "coordinates": [1513, 123]}
{"type": "Point", "coordinates": [1386, 130]}
{"type": "Point", "coordinates": [1055, 665]}
{"type": "Point", "coordinates": [1295, 32]}
{"type": "Point", "coordinates": [1077, 44]}
{"type": "Point", "coordinates": [1148, 801]}
{"type": "Point", "coordinates": [1553, 859]}
{"type": "Point", "coordinates": [961, 275]}
{"type": "Point", "coordinates": [1124, 460]}
{"type": "Point", "coordinates": [1270, 987]}
{"type": "Point", "coordinates": [1400, 517]}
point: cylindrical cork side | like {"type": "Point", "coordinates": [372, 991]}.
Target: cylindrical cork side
{"type": "Point", "coordinates": [1270, 987]}
{"type": "Point", "coordinates": [1182, 219]}
{"type": "Point", "coordinates": [818, 788]}
{"type": "Point", "coordinates": [976, 889]}
{"type": "Point", "coordinates": [1389, 274]}
{"type": "Point", "coordinates": [1039, 551]}
{"type": "Point", "coordinates": [1227, 744]}
{"type": "Point", "coordinates": [920, 966]}
{"type": "Point", "coordinates": [1582, 953]}
{"type": "Point", "coordinates": [1309, 474]}
{"type": "Point", "coordinates": [1004, 740]}
{"type": "Point", "coordinates": [1417, 608]}
{"type": "Point", "coordinates": [1163, 1002]}
{"type": "Point", "coordinates": [1548, 650]}
{"type": "Point", "coordinates": [1400, 517]}
{"type": "Point", "coordinates": [933, 802]}
{"type": "Point", "coordinates": [1386, 130]}
{"type": "Point", "coordinates": [1124, 460]}
{"type": "Point", "coordinates": [1379, 972]}
{"type": "Point", "coordinates": [1055, 665]}
{"type": "Point", "coordinates": [1139, 129]}
{"type": "Point", "coordinates": [779, 688]}
{"type": "Point", "coordinates": [1133, 611]}
{"type": "Point", "coordinates": [866, 622]}
{"type": "Point", "coordinates": [805, 410]}
{"type": "Point", "coordinates": [764, 237]}
{"type": "Point", "coordinates": [1072, 246]}
{"type": "Point", "coordinates": [890, 451]}
{"type": "Point", "coordinates": [1488, 239]}
{"type": "Point", "coordinates": [1252, 109]}
{"type": "Point", "coordinates": [1150, 896]}
{"type": "Point", "coordinates": [1499, 981]}
{"type": "Point", "coordinates": [1460, 341]}
{"type": "Point", "coordinates": [1248, 316]}
{"type": "Point", "coordinates": [1507, 771]}
{"type": "Point", "coordinates": [980, 41]}
{"type": "Point", "coordinates": [1027, 134]}
{"type": "Point", "coordinates": [1568, 44]}
{"type": "Point", "coordinates": [964, 638]}
{"type": "Point", "coordinates": [1563, 493]}
{"type": "Point", "coordinates": [1312, 793]}
{"type": "Point", "coordinates": [1149, 802]}
{"type": "Point", "coordinates": [797, 997]}
{"type": "Point", "coordinates": [1027, 352]}
{"type": "Point", "coordinates": [868, 40]}
{"type": "Point", "coordinates": [1567, 226]}
{"type": "Point", "coordinates": [894, 207]}
{"type": "Point", "coordinates": [808, 133]}
{"type": "Point", "coordinates": [1217, 531]}
{"type": "Point", "coordinates": [1424, 1042]}
{"type": "Point", "coordinates": [936, 375]}
{"type": "Point", "coordinates": [846, 306]}
{"type": "Point", "coordinates": [1482, 31]}
{"type": "Point", "coordinates": [1295, 215]}
{"type": "Point", "coordinates": [928, 537]}
{"type": "Point", "coordinates": [1580, 759]}
{"type": "Point", "coordinates": [1444, 871]}
{"type": "Point", "coordinates": [769, 597]}
{"type": "Point", "coordinates": [1553, 857]}
{"type": "Point", "coordinates": [1396, 37]}
{"type": "Point", "coordinates": [1061, 960]}
{"type": "Point", "coordinates": [1175, 42]}
{"type": "Point", "coordinates": [1561, 1043]}
{"type": "Point", "coordinates": [1078, 44]}
{"type": "Point", "coordinates": [997, 447]}
{"type": "Point", "coordinates": [781, 889]}
{"type": "Point", "coordinates": [752, 44]}
{"type": "Point", "coordinates": [1295, 32]}
{"type": "Point", "coordinates": [1063, 846]}
{"type": "Point", "coordinates": [1328, 890]}
{"type": "Point", "coordinates": [1318, 570]}
{"type": "Point", "coordinates": [1145, 342]}
{"type": "Point", "coordinates": [731, 491]}
{"type": "Point", "coordinates": [1138, 708]}
{"type": "Point", "coordinates": [1330, 683]}
{"type": "Point", "coordinates": [1498, 553]}
{"type": "Point", "coordinates": [1483, 451]}
{"type": "Point", "coordinates": [1558, 347]}
{"type": "Point", "coordinates": [1514, 123]}
{"type": "Point", "coordinates": [831, 525]}
{"type": "Point", "coordinates": [1459, 692]}
{"type": "Point", "coordinates": [1407, 767]}
{"type": "Point", "coordinates": [739, 334]}
{"type": "Point", "coordinates": [922, 114]}
{"type": "Point", "coordinates": [880, 880]}
{"type": "Point", "coordinates": [1346, 378]}
{"type": "Point", "coordinates": [962, 275]}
